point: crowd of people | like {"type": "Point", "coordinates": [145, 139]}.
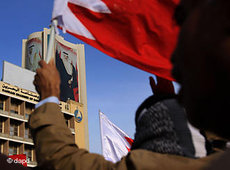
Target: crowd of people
{"type": "Point", "coordinates": [185, 131]}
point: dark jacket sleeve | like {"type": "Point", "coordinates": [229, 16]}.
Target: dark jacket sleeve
{"type": "Point", "coordinates": [54, 144]}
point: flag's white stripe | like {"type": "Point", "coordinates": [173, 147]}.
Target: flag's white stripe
{"type": "Point", "coordinates": [198, 142]}
{"type": "Point", "coordinates": [59, 8]}
{"type": "Point", "coordinates": [73, 25]}
{"type": "Point", "coordinates": [68, 21]}
{"type": "Point", "coordinates": [93, 5]}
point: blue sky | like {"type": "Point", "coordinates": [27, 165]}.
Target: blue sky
{"type": "Point", "coordinates": [115, 88]}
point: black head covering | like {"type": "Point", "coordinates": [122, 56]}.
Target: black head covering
{"type": "Point", "coordinates": [161, 126]}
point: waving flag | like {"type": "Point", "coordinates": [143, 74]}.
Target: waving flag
{"type": "Point", "coordinates": [139, 33]}
{"type": "Point", "coordinates": [115, 142]}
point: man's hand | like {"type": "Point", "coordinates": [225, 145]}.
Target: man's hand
{"type": "Point", "coordinates": [162, 87]}
{"type": "Point", "coordinates": [47, 80]}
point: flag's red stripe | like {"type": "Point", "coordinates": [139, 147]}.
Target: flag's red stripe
{"type": "Point", "coordinates": [148, 45]}
{"type": "Point", "coordinates": [129, 140]}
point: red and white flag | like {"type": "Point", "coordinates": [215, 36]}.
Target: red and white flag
{"type": "Point", "coordinates": [140, 33]}
{"type": "Point", "coordinates": [115, 142]}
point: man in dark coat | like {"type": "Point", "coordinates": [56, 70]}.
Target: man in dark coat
{"type": "Point", "coordinates": [201, 65]}
{"type": "Point", "coordinates": [56, 149]}
{"type": "Point", "coordinates": [162, 125]}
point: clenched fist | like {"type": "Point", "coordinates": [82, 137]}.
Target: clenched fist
{"type": "Point", "coordinates": [47, 80]}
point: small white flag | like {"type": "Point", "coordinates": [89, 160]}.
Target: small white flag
{"type": "Point", "coordinates": [115, 142]}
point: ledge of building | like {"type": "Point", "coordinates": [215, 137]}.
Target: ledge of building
{"type": "Point", "coordinates": [13, 116]}
{"type": "Point", "coordinates": [32, 164]}
{"type": "Point", "coordinates": [16, 139]}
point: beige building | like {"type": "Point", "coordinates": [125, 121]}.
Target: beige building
{"type": "Point", "coordinates": [16, 104]}
{"type": "Point", "coordinates": [18, 96]}
{"type": "Point", "coordinates": [35, 47]}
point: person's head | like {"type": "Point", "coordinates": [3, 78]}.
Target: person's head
{"type": "Point", "coordinates": [67, 62]}
{"type": "Point", "coordinates": [201, 63]}
{"type": "Point", "coordinates": [30, 51]}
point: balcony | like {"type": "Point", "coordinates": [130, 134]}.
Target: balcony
{"type": "Point", "coordinates": [4, 135]}
{"type": "Point", "coordinates": [12, 116]}
{"type": "Point", "coordinates": [2, 112]}
{"type": "Point", "coordinates": [32, 164]}
{"type": "Point", "coordinates": [68, 113]}
{"type": "Point", "coordinates": [16, 116]}
{"type": "Point", "coordinates": [28, 140]}
{"type": "Point", "coordinates": [16, 139]}
{"type": "Point", "coordinates": [72, 130]}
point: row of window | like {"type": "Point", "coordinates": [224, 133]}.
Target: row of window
{"type": "Point", "coordinates": [15, 106]}
{"type": "Point", "coordinates": [14, 149]}
{"type": "Point", "coordinates": [14, 128]}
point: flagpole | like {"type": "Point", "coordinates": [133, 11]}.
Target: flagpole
{"type": "Point", "coordinates": [51, 41]}
{"type": "Point", "coordinates": [101, 131]}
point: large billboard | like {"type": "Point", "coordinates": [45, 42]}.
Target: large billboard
{"type": "Point", "coordinates": [68, 58]}
{"type": "Point", "coordinates": [67, 65]}
{"type": "Point", "coordinates": [70, 61]}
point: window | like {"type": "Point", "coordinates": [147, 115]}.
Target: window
{"type": "Point", "coordinates": [14, 128]}
{"type": "Point", "coordinates": [71, 122]}
{"type": "Point", "coordinates": [1, 105]}
{"type": "Point", "coordinates": [13, 149]}
{"type": "Point", "coordinates": [1, 125]}
{"type": "Point", "coordinates": [1, 146]}
{"type": "Point", "coordinates": [2, 102]}
{"type": "Point", "coordinates": [15, 105]}
{"type": "Point", "coordinates": [27, 132]}
{"type": "Point", "coordinates": [28, 152]}
{"type": "Point", "coordinates": [27, 116]}
{"type": "Point", "coordinates": [67, 120]}
{"type": "Point", "coordinates": [66, 107]}
{"type": "Point", "coordinates": [29, 109]}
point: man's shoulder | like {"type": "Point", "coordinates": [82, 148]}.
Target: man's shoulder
{"type": "Point", "coordinates": [222, 162]}
{"type": "Point", "coordinates": [143, 159]}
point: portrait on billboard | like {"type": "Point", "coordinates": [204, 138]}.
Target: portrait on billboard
{"type": "Point", "coordinates": [33, 53]}
{"type": "Point", "coordinates": [66, 63]}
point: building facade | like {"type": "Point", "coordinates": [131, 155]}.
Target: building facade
{"type": "Point", "coordinates": [70, 62]}
{"type": "Point", "coordinates": [16, 104]}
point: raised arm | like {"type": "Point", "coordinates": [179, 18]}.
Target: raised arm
{"type": "Point", "coordinates": [54, 144]}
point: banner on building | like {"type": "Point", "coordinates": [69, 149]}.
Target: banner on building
{"type": "Point", "coordinates": [33, 51]}
{"type": "Point", "coordinates": [67, 65]}
{"type": "Point", "coordinates": [68, 58]}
